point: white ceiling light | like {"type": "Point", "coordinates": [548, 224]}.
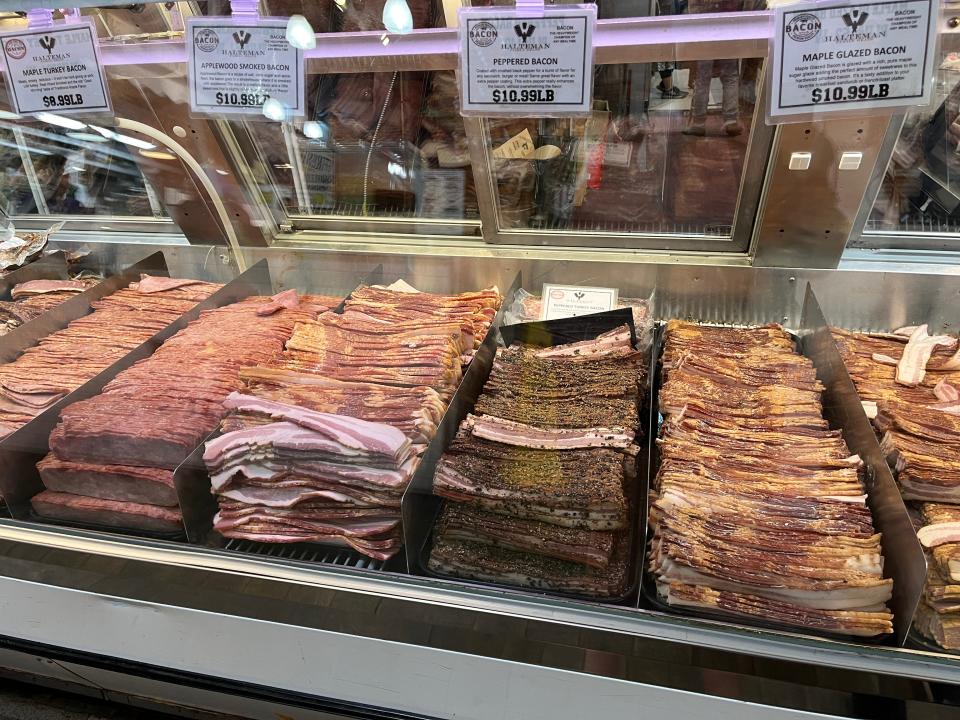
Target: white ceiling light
{"type": "Point", "coordinates": [273, 109]}
{"type": "Point", "coordinates": [300, 33]}
{"type": "Point", "coordinates": [60, 121]}
{"type": "Point", "coordinates": [397, 17]}
{"type": "Point", "coordinates": [125, 139]}
{"type": "Point", "coordinates": [314, 130]}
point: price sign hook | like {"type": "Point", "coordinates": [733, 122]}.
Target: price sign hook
{"type": "Point", "coordinates": [245, 9]}
{"type": "Point", "coordinates": [530, 8]}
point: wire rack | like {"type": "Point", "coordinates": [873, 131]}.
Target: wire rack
{"type": "Point", "coordinates": [306, 553]}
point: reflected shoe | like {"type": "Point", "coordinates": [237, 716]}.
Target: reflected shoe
{"type": "Point", "coordinates": [673, 93]}
{"type": "Point", "coordinates": [733, 128]}
{"type": "Point", "coordinates": [695, 128]}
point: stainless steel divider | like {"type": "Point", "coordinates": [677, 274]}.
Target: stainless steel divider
{"type": "Point", "coordinates": [904, 559]}
{"type": "Point", "coordinates": [20, 452]}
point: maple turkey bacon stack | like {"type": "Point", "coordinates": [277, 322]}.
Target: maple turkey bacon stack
{"type": "Point", "coordinates": [113, 455]}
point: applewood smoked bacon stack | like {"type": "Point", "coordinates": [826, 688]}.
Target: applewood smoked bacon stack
{"type": "Point", "coordinates": [113, 455]}
{"type": "Point", "coordinates": [760, 511]}
{"type": "Point", "coordinates": [909, 383]}
{"type": "Point", "coordinates": [323, 439]}
{"type": "Point", "coordinates": [66, 359]}
{"type": "Point", "coordinates": [537, 481]}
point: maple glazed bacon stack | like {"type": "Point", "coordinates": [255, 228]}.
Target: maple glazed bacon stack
{"type": "Point", "coordinates": [323, 439]}
{"type": "Point", "coordinates": [113, 455]}
{"type": "Point", "coordinates": [909, 383]}
{"type": "Point", "coordinates": [759, 510]}
{"type": "Point", "coordinates": [538, 482]}
{"type": "Point", "coordinates": [64, 360]}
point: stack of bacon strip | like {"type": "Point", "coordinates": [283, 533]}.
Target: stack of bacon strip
{"type": "Point", "coordinates": [113, 455]}
{"type": "Point", "coordinates": [33, 298]}
{"type": "Point", "coordinates": [538, 481]}
{"type": "Point", "coordinates": [760, 511]}
{"type": "Point", "coordinates": [66, 359]}
{"type": "Point", "coordinates": [909, 383]}
{"type": "Point", "coordinates": [324, 438]}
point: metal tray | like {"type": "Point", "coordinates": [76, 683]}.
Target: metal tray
{"type": "Point", "coordinates": [423, 507]}
{"type": "Point", "coordinates": [903, 556]}
{"type": "Point", "coordinates": [20, 452]}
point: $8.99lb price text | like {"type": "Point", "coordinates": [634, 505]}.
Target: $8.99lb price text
{"type": "Point", "coordinates": [56, 101]}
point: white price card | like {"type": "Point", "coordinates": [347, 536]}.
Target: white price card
{"type": "Point", "coordinates": [55, 69]}
{"type": "Point", "coordinates": [527, 64]}
{"type": "Point", "coordinates": [832, 58]}
{"type": "Point", "coordinates": [562, 301]}
{"type": "Point", "coordinates": [235, 67]}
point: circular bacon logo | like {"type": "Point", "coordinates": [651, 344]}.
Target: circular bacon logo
{"type": "Point", "coordinates": [15, 48]}
{"type": "Point", "coordinates": [557, 294]}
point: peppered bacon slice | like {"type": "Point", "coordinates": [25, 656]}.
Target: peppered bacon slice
{"type": "Point", "coordinates": [461, 521]}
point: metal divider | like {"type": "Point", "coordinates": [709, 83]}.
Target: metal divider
{"type": "Point", "coordinates": [904, 559]}
{"type": "Point", "coordinates": [418, 506]}
{"type": "Point", "coordinates": [20, 452]}
{"type": "Point", "coordinates": [48, 267]}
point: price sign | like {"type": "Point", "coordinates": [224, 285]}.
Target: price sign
{"type": "Point", "coordinates": [832, 58]}
{"type": "Point", "coordinates": [236, 68]}
{"type": "Point", "coordinates": [513, 63]}
{"type": "Point", "coordinates": [55, 69]}
{"type": "Point", "coordinates": [562, 301]}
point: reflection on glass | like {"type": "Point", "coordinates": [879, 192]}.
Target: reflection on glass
{"type": "Point", "coordinates": [663, 152]}
{"type": "Point", "coordinates": [921, 188]}
{"type": "Point", "coordinates": [389, 145]}
{"type": "Point", "coordinates": [71, 172]}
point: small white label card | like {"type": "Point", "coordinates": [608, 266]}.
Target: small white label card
{"type": "Point", "coordinates": [562, 301]}
{"type": "Point", "coordinates": [56, 69]}
{"type": "Point", "coordinates": [521, 64]}
{"type": "Point", "coordinates": [235, 68]}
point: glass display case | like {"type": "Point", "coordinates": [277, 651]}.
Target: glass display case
{"type": "Point", "coordinates": [288, 437]}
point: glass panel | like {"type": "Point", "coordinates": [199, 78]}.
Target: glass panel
{"type": "Point", "coordinates": [663, 152]}
{"type": "Point", "coordinates": [921, 188]}
{"type": "Point", "coordinates": [376, 144]}
{"type": "Point", "coordinates": [80, 170]}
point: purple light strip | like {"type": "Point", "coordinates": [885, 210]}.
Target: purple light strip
{"type": "Point", "coordinates": [688, 37]}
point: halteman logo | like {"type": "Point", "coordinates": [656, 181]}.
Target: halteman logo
{"type": "Point", "coordinates": [47, 43]}
{"type": "Point", "coordinates": [241, 37]}
{"type": "Point", "coordinates": [524, 31]}
{"type": "Point", "coordinates": [855, 19]}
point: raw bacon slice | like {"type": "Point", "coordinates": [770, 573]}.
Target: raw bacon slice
{"type": "Point", "coordinates": [913, 364]}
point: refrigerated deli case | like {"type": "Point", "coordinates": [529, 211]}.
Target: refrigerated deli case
{"type": "Point", "coordinates": [384, 181]}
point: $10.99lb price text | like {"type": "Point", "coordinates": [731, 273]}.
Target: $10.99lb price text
{"type": "Point", "coordinates": [522, 96]}
{"type": "Point", "coordinates": [851, 92]}
{"type": "Point", "coordinates": [242, 99]}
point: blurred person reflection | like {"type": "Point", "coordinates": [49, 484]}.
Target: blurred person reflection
{"type": "Point", "coordinates": [669, 91]}
{"type": "Point", "coordinates": [58, 191]}
{"type": "Point", "coordinates": [703, 73]}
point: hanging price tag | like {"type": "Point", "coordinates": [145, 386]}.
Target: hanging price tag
{"type": "Point", "coordinates": [55, 69]}
{"type": "Point", "coordinates": [524, 64]}
{"type": "Point", "coordinates": [235, 68]}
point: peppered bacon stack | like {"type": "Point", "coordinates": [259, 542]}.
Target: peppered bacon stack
{"type": "Point", "coordinates": [909, 383]}
{"type": "Point", "coordinates": [63, 361]}
{"type": "Point", "coordinates": [113, 455]}
{"type": "Point", "coordinates": [537, 481]}
{"type": "Point", "coordinates": [760, 511]}
{"type": "Point", "coordinates": [324, 438]}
